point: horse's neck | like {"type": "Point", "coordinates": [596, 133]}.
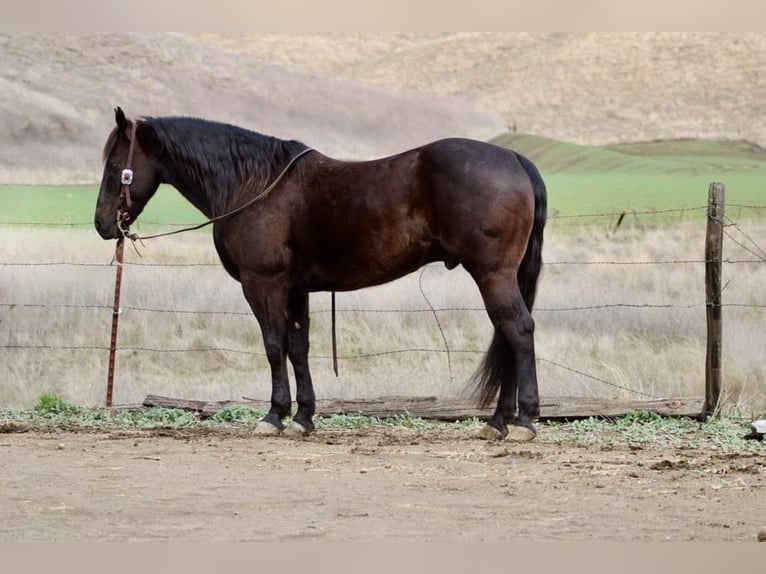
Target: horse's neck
{"type": "Point", "coordinates": [193, 191]}
{"type": "Point", "coordinates": [194, 195]}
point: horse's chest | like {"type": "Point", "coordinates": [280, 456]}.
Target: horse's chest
{"type": "Point", "coordinates": [251, 249]}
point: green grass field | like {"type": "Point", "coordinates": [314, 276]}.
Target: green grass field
{"type": "Point", "coordinates": [75, 205]}
{"type": "Point", "coordinates": [650, 176]}
{"type": "Point", "coordinates": [663, 175]}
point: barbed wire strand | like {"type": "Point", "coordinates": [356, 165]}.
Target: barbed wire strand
{"type": "Point", "coordinates": [600, 380]}
{"type": "Point", "coordinates": [761, 254]}
{"type": "Point", "coordinates": [744, 206]}
{"type": "Point", "coordinates": [627, 212]}
{"type": "Point", "coordinates": [248, 314]}
{"type": "Point", "coordinates": [436, 318]}
{"type": "Point", "coordinates": [320, 357]}
{"type": "Point", "coordinates": [760, 259]}
{"type": "Point", "coordinates": [155, 223]}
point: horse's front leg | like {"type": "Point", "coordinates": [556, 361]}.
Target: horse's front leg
{"type": "Point", "coordinates": [268, 300]}
{"type": "Point", "coordinates": [298, 352]}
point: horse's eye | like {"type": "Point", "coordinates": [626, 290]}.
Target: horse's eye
{"type": "Point", "coordinates": [114, 165]}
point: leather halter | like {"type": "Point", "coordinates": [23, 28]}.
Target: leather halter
{"type": "Point", "coordinates": [126, 180]}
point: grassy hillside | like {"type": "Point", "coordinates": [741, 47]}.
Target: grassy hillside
{"type": "Point", "coordinates": [590, 88]}
{"type": "Point", "coordinates": [365, 94]}
{"type": "Point", "coordinates": [643, 176]}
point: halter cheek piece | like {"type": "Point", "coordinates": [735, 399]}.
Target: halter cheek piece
{"type": "Point", "coordinates": [126, 180]}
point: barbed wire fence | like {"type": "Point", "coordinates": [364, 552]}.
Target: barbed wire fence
{"type": "Point", "coordinates": [754, 254]}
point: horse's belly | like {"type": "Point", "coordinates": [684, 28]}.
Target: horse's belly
{"type": "Point", "coordinates": [349, 271]}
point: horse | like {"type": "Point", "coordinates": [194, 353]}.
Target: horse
{"type": "Point", "coordinates": [289, 220]}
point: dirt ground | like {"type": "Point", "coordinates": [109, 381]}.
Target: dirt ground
{"type": "Point", "coordinates": [373, 483]}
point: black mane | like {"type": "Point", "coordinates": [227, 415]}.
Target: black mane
{"type": "Point", "coordinates": [220, 161]}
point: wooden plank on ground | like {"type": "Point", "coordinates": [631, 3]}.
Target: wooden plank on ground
{"type": "Point", "coordinates": [455, 408]}
{"type": "Point", "coordinates": [173, 403]}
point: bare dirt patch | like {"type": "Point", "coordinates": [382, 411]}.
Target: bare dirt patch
{"type": "Point", "coordinates": [373, 483]}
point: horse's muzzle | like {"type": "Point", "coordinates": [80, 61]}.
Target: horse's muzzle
{"type": "Point", "coordinates": [107, 230]}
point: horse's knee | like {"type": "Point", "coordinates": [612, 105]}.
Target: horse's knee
{"type": "Point", "coordinates": [520, 331]}
{"type": "Point", "coordinates": [525, 325]}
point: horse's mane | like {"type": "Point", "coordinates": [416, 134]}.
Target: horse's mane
{"type": "Point", "coordinates": [219, 160]}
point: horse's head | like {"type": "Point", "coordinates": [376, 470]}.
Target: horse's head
{"type": "Point", "coordinates": [130, 177]}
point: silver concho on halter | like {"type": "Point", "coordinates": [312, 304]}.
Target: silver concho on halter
{"type": "Point", "coordinates": [126, 178]}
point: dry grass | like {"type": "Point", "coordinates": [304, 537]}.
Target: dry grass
{"type": "Point", "coordinates": [57, 94]}
{"type": "Point", "coordinates": [361, 95]}
{"type": "Point", "coordinates": [589, 88]}
{"type": "Point", "coordinates": [659, 351]}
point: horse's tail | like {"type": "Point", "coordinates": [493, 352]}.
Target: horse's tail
{"type": "Point", "coordinates": [499, 363]}
{"type": "Point", "coordinates": [532, 263]}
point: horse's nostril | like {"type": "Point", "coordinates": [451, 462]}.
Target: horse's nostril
{"type": "Point", "coordinates": [100, 228]}
{"type": "Point", "coordinates": [103, 229]}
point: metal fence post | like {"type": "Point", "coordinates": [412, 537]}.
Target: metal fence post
{"type": "Point", "coordinates": [118, 251]}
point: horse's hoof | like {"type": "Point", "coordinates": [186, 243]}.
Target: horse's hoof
{"type": "Point", "coordinates": [295, 430]}
{"type": "Point", "coordinates": [488, 432]}
{"type": "Point", "coordinates": [518, 433]}
{"type": "Point", "coordinates": [264, 428]}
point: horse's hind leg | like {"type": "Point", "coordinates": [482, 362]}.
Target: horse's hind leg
{"type": "Point", "coordinates": [298, 352]}
{"type": "Point", "coordinates": [511, 318]}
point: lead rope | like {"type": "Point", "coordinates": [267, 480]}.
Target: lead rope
{"type": "Point", "coordinates": [334, 343]}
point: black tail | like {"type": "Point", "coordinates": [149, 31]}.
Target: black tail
{"type": "Point", "coordinates": [532, 263]}
{"type": "Point", "coordinates": [499, 363]}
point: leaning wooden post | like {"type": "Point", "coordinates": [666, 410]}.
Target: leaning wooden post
{"type": "Point", "coordinates": [118, 250]}
{"type": "Point", "coordinates": [713, 264]}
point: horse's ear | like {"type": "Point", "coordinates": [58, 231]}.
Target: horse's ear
{"type": "Point", "coordinates": [119, 117]}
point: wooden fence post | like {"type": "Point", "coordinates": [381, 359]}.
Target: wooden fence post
{"type": "Point", "coordinates": [118, 251]}
{"type": "Point", "coordinates": [713, 263]}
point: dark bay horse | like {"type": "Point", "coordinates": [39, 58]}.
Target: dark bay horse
{"type": "Point", "coordinates": [290, 225]}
